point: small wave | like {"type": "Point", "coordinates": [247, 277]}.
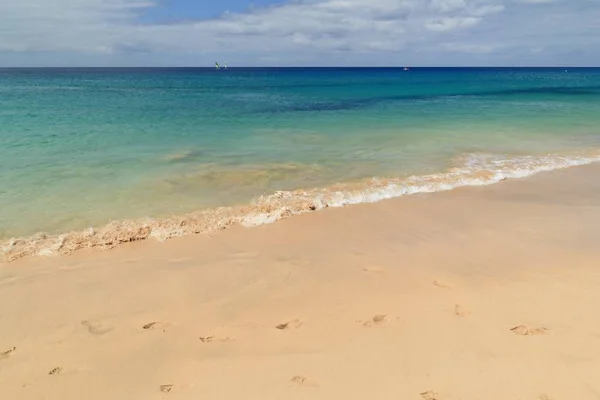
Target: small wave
{"type": "Point", "coordinates": [468, 170]}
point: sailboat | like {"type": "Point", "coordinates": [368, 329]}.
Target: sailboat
{"type": "Point", "coordinates": [405, 69]}
{"type": "Point", "coordinates": [217, 65]}
{"type": "Point", "coordinates": [225, 65]}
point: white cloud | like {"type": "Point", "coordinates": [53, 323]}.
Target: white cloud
{"type": "Point", "coordinates": [72, 25]}
{"type": "Point", "coordinates": [487, 10]}
{"type": "Point", "coordinates": [451, 23]}
{"type": "Point", "coordinates": [289, 31]}
{"type": "Point", "coordinates": [448, 5]}
{"type": "Point", "coordinates": [100, 26]}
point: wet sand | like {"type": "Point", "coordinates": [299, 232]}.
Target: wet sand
{"type": "Point", "coordinates": [479, 293]}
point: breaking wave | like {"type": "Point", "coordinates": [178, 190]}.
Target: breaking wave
{"type": "Point", "coordinates": [468, 170]}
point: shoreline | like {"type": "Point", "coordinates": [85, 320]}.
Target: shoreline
{"type": "Point", "coordinates": [473, 170]}
{"type": "Point", "coordinates": [479, 292]}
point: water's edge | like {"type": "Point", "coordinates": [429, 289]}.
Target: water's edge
{"type": "Point", "coordinates": [473, 170]}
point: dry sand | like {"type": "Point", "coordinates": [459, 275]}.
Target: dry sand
{"type": "Point", "coordinates": [480, 293]}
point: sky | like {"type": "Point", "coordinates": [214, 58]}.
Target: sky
{"type": "Point", "coordinates": [300, 32]}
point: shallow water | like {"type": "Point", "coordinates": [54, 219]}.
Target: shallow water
{"type": "Point", "coordinates": [81, 148]}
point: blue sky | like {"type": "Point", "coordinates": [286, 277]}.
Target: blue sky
{"type": "Point", "coordinates": [170, 10]}
{"type": "Point", "coordinates": [300, 32]}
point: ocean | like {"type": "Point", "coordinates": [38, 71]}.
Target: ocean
{"type": "Point", "coordinates": [95, 157]}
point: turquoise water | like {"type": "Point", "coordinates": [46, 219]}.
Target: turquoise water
{"type": "Point", "coordinates": [83, 147]}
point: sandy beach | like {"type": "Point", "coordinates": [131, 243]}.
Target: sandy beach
{"type": "Point", "coordinates": [478, 293]}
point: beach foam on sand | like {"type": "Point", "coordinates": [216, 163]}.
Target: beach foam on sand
{"type": "Point", "coordinates": [479, 293]}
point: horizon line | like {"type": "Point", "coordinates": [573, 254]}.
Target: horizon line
{"type": "Point", "coordinates": [294, 67]}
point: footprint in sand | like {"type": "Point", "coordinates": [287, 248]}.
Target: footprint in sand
{"type": "Point", "coordinates": [55, 371]}
{"type": "Point", "coordinates": [166, 388]}
{"type": "Point", "coordinates": [293, 324]}
{"type": "Point", "coordinates": [300, 380]}
{"type": "Point", "coordinates": [155, 325]}
{"type": "Point", "coordinates": [544, 397]}
{"type": "Point", "coordinates": [211, 339]}
{"type": "Point", "coordinates": [442, 284]}
{"type": "Point", "coordinates": [430, 395]}
{"type": "Point", "coordinates": [7, 353]}
{"type": "Point", "coordinates": [527, 331]}
{"type": "Point", "coordinates": [374, 269]}
{"type": "Point", "coordinates": [460, 311]}
{"type": "Point", "coordinates": [96, 328]}
{"type": "Point", "coordinates": [378, 319]}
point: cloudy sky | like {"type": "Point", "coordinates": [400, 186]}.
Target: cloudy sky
{"type": "Point", "coordinates": [299, 32]}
